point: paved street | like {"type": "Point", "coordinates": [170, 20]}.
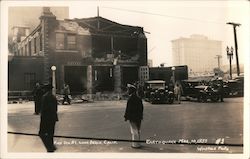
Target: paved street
{"type": "Point", "coordinates": [181, 123]}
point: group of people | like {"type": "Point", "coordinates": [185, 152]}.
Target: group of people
{"type": "Point", "coordinates": [39, 91]}
{"type": "Point", "coordinates": [46, 105]}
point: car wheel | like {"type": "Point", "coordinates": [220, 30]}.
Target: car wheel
{"type": "Point", "coordinates": [215, 98]}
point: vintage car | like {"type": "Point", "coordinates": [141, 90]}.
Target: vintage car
{"type": "Point", "coordinates": [205, 93]}
{"type": "Point", "coordinates": [156, 91]}
{"type": "Point", "coordinates": [235, 86]}
{"type": "Point", "coordinates": [201, 90]}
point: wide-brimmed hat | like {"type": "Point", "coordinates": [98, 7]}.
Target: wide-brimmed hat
{"type": "Point", "coordinates": [131, 87]}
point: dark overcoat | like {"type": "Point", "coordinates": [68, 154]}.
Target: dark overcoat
{"type": "Point", "coordinates": [48, 113]}
{"type": "Point", "coordinates": [134, 109]}
{"type": "Point", "coordinates": [38, 93]}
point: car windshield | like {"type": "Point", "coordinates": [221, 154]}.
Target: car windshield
{"type": "Point", "coordinates": [157, 85]}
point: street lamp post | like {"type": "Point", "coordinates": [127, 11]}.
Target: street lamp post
{"type": "Point", "coordinates": [230, 56]}
{"type": "Point", "coordinates": [53, 68]}
{"type": "Point", "coordinates": [173, 71]}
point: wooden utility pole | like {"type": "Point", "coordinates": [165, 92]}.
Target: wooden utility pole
{"type": "Point", "coordinates": [236, 45]}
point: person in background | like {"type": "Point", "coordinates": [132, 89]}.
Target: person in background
{"type": "Point", "coordinates": [177, 93]}
{"type": "Point", "coordinates": [221, 89]}
{"type": "Point", "coordinates": [48, 118]}
{"type": "Point", "coordinates": [171, 84]}
{"type": "Point", "coordinates": [134, 113]}
{"type": "Point", "coordinates": [37, 93]}
{"type": "Point", "coordinates": [66, 92]}
{"type": "Point", "coordinates": [140, 90]}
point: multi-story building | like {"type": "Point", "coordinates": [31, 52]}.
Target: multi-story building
{"type": "Point", "coordinates": [90, 54]}
{"type": "Point", "coordinates": [197, 52]}
{"type": "Point", "coordinates": [150, 63]}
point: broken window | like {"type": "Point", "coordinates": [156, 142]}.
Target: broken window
{"type": "Point", "coordinates": [71, 40]}
{"type": "Point", "coordinates": [59, 41]}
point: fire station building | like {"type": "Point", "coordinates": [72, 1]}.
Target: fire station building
{"type": "Point", "coordinates": [90, 54]}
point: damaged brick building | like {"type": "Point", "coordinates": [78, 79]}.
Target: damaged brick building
{"type": "Point", "coordinates": [90, 54]}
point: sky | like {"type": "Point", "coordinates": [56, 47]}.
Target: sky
{"type": "Point", "coordinates": [29, 16]}
{"type": "Point", "coordinates": [164, 21]}
{"type": "Point", "coordinates": [169, 20]}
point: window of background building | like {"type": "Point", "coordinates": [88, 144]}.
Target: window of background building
{"type": "Point", "coordinates": [21, 31]}
{"type": "Point", "coordinates": [41, 43]}
{"type": "Point", "coordinates": [96, 75]}
{"type": "Point", "coordinates": [60, 41]}
{"type": "Point", "coordinates": [25, 50]}
{"type": "Point", "coordinates": [29, 48]}
{"type": "Point", "coordinates": [34, 46]}
{"type": "Point", "coordinates": [71, 41]}
{"type": "Point", "coordinates": [29, 80]}
{"type": "Point", "coordinates": [22, 51]}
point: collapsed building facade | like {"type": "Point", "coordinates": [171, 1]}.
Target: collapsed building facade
{"type": "Point", "coordinates": [90, 54]}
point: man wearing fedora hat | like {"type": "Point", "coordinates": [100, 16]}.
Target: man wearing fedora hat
{"type": "Point", "coordinates": [48, 118]}
{"type": "Point", "coordinates": [134, 113]}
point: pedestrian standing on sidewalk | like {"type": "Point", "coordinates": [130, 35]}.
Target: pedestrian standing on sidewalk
{"type": "Point", "coordinates": [177, 93]}
{"type": "Point", "coordinates": [66, 92]}
{"type": "Point", "coordinates": [221, 89]}
{"type": "Point", "coordinates": [134, 113]}
{"type": "Point", "coordinates": [37, 93]}
{"type": "Point", "coordinates": [48, 118]}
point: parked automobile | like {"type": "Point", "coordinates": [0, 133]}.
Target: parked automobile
{"type": "Point", "coordinates": [156, 91]}
{"type": "Point", "coordinates": [201, 91]}
{"type": "Point", "coordinates": [235, 86]}
{"type": "Point", "coordinates": [206, 93]}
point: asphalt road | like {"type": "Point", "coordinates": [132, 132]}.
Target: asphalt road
{"type": "Point", "coordinates": [189, 122]}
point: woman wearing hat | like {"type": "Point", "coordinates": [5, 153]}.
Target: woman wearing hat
{"type": "Point", "coordinates": [134, 113]}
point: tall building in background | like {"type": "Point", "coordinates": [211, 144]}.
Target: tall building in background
{"type": "Point", "coordinates": [197, 52]}
{"type": "Point", "coordinates": [150, 63]}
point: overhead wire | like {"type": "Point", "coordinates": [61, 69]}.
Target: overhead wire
{"type": "Point", "coordinates": [165, 16]}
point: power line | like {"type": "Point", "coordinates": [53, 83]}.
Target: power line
{"type": "Point", "coordinates": [165, 16]}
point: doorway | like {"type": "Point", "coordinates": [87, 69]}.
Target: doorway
{"type": "Point", "coordinates": [76, 78]}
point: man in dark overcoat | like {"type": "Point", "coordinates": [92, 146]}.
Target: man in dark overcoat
{"type": "Point", "coordinates": [221, 89]}
{"type": "Point", "coordinates": [37, 93]}
{"type": "Point", "coordinates": [134, 113]}
{"type": "Point", "coordinates": [48, 118]}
